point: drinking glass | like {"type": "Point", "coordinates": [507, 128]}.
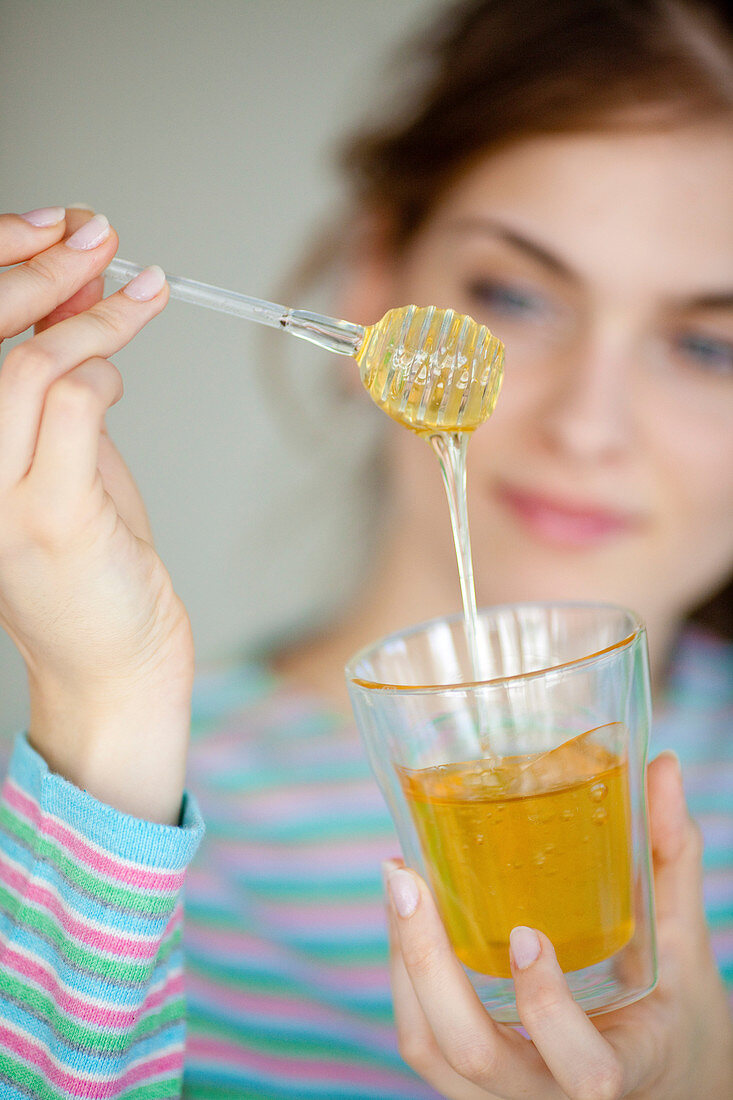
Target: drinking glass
{"type": "Point", "coordinates": [520, 797]}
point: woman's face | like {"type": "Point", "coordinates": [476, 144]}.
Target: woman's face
{"type": "Point", "coordinates": [605, 264]}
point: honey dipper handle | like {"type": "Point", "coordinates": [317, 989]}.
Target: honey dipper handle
{"type": "Point", "coordinates": [342, 337]}
{"type": "Point", "coordinates": [328, 332]}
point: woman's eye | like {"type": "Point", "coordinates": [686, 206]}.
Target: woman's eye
{"type": "Point", "coordinates": [508, 301]}
{"type": "Point", "coordinates": [706, 352]}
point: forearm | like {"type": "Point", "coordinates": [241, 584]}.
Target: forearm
{"type": "Point", "coordinates": [91, 983]}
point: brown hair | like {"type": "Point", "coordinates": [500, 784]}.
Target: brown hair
{"type": "Point", "coordinates": [497, 71]}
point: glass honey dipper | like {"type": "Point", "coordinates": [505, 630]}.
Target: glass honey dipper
{"type": "Point", "coordinates": [432, 370]}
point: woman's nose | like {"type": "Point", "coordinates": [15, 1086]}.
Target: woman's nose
{"type": "Point", "coordinates": [587, 409]}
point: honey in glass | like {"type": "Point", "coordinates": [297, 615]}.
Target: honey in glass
{"type": "Point", "coordinates": [541, 840]}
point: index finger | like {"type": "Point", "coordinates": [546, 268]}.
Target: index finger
{"type": "Point", "coordinates": [31, 290]}
{"type": "Point", "coordinates": [23, 235]}
{"type": "Point", "coordinates": [415, 1040]}
{"type": "Point", "coordinates": [89, 294]}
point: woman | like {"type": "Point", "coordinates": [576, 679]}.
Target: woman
{"type": "Point", "coordinates": [562, 176]}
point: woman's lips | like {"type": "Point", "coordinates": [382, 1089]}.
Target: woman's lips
{"type": "Point", "coordinates": [563, 523]}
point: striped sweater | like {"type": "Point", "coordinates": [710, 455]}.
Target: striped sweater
{"type": "Point", "coordinates": [284, 943]}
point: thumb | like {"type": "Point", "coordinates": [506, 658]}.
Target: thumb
{"type": "Point", "coordinates": [687, 965]}
{"type": "Point", "coordinates": [86, 296]}
{"type": "Point", "coordinates": [676, 848]}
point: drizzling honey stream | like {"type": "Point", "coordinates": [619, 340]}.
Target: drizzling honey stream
{"type": "Point", "coordinates": [438, 373]}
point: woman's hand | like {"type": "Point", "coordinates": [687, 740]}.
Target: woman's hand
{"type": "Point", "coordinates": [84, 596]}
{"type": "Point", "coordinates": [675, 1044]}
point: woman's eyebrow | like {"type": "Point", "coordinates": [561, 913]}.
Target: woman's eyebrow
{"type": "Point", "coordinates": [498, 230]}
{"type": "Point", "coordinates": [722, 300]}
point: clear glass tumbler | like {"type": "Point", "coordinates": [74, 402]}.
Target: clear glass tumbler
{"type": "Point", "coordinates": [521, 797]}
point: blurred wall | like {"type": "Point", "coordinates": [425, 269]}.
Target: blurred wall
{"type": "Point", "coordinates": [203, 131]}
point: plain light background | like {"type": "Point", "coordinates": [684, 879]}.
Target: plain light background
{"type": "Point", "coordinates": [205, 131]}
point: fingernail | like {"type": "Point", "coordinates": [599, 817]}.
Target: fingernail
{"type": "Point", "coordinates": [388, 866]}
{"type": "Point", "coordinates": [80, 206]}
{"type": "Point", "coordinates": [404, 892]}
{"type": "Point", "coordinates": [45, 216]}
{"type": "Point", "coordinates": [672, 755]}
{"type": "Point", "coordinates": [146, 285]}
{"type": "Point", "coordinates": [525, 946]}
{"type": "Point", "coordinates": [90, 234]}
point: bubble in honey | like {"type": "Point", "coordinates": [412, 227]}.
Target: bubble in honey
{"type": "Point", "coordinates": [599, 816]}
{"type": "Point", "coordinates": [598, 792]}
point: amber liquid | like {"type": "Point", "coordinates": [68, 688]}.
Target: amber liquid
{"type": "Point", "coordinates": [542, 841]}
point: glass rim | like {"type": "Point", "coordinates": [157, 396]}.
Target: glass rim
{"type": "Point", "coordinates": [638, 628]}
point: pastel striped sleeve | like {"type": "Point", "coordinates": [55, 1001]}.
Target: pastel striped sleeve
{"type": "Point", "coordinates": [91, 971]}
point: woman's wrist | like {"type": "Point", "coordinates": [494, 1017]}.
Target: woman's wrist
{"type": "Point", "coordinates": [123, 740]}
